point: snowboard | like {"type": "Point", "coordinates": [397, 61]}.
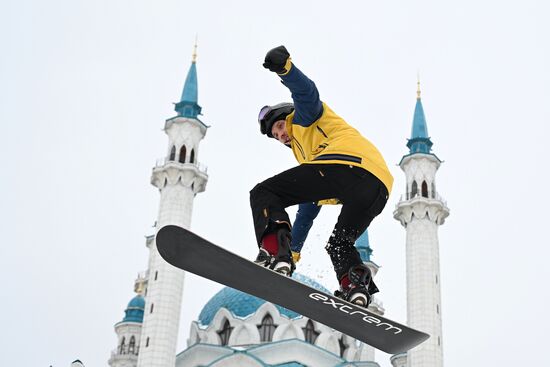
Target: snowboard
{"type": "Point", "coordinates": [187, 251]}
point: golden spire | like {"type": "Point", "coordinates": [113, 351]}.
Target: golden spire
{"type": "Point", "coordinates": [195, 50]}
{"type": "Point", "coordinates": [418, 86]}
{"type": "Point", "coordinates": [139, 285]}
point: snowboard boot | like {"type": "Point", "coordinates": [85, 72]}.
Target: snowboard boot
{"type": "Point", "coordinates": [356, 286]}
{"type": "Point", "coordinates": [263, 258]}
{"type": "Point", "coordinates": [275, 252]}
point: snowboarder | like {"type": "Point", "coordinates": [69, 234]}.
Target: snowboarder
{"type": "Point", "coordinates": [335, 161]}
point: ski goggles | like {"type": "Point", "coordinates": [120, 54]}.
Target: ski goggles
{"type": "Point", "coordinates": [262, 117]}
{"type": "Point", "coordinates": [263, 113]}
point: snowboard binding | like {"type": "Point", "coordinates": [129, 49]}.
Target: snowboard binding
{"type": "Point", "coordinates": [275, 253]}
{"type": "Point", "coordinates": [360, 288]}
{"type": "Point", "coordinates": [283, 265]}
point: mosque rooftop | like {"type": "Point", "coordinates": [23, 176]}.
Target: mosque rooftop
{"type": "Point", "coordinates": [242, 305]}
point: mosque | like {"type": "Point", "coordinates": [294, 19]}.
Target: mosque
{"type": "Point", "coordinates": [237, 329]}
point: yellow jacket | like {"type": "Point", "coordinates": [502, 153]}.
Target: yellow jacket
{"type": "Point", "coordinates": [330, 140]}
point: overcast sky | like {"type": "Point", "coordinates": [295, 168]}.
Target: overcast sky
{"type": "Point", "coordinates": [85, 87]}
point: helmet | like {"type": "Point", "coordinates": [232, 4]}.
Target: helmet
{"type": "Point", "coordinates": [271, 114]}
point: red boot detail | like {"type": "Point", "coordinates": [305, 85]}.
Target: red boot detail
{"type": "Point", "coordinates": [345, 282]}
{"type": "Point", "coordinates": [270, 244]}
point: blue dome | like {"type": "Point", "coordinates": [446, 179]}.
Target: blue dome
{"type": "Point", "coordinates": [135, 309]}
{"type": "Point", "coordinates": [242, 304]}
{"type": "Point", "coordinates": [137, 302]}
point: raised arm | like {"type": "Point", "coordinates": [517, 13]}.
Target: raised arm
{"type": "Point", "coordinates": [307, 104]}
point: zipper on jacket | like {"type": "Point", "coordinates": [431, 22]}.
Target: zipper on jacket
{"type": "Point", "coordinates": [322, 132]}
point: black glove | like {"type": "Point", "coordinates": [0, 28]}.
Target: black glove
{"type": "Point", "coordinates": [275, 60]}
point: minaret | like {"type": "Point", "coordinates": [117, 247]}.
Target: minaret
{"type": "Point", "coordinates": [128, 334]}
{"type": "Point", "coordinates": [365, 251]}
{"type": "Point", "coordinates": [421, 211]}
{"type": "Point", "coordinates": [179, 177]}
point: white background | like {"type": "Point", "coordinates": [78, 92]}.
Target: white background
{"type": "Point", "coordinates": [85, 87]}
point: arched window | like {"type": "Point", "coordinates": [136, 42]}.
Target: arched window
{"type": "Point", "coordinates": [267, 328]}
{"type": "Point", "coordinates": [424, 189]}
{"type": "Point", "coordinates": [343, 346]}
{"type": "Point", "coordinates": [414, 190]}
{"type": "Point", "coordinates": [122, 348]}
{"type": "Point", "coordinates": [310, 333]}
{"type": "Point", "coordinates": [132, 346]}
{"type": "Point", "coordinates": [172, 154]}
{"type": "Point", "coordinates": [183, 152]}
{"type": "Point", "coordinates": [225, 332]}
{"type": "Point", "coordinates": [192, 159]}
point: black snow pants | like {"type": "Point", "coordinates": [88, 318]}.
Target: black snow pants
{"type": "Point", "coordinates": [363, 197]}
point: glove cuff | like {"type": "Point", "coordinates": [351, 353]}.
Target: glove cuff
{"type": "Point", "coordinates": [288, 66]}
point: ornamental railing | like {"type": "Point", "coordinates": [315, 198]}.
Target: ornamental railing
{"type": "Point", "coordinates": [123, 353]}
{"type": "Point", "coordinates": [161, 162]}
{"type": "Point", "coordinates": [418, 195]}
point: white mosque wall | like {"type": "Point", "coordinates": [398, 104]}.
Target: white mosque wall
{"type": "Point", "coordinates": [245, 334]}
{"type": "Point", "coordinates": [201, 355]}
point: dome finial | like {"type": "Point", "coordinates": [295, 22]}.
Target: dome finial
{"type": "Point", "coordinates": [139, 284]}
{"type": "Point", "coordinates": [418, 85]}
{"type": "Point", "coordinates": [195, 49]}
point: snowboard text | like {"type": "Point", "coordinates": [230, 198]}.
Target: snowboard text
{"type": "Point", "coordinates": [349, 310]}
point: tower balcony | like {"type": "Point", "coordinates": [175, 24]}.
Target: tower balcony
{"type": "Point", "coordinates": [193, 175]}
{"type": "Point", "coordinates": [124, 358]}
{"type": "Point", "coordinates": [142, 275]}
{"type": "Point", "coordinates": [418, 206]}
{"type": "Point", "coordinates": [418, 196]}
{"type": "Point", "coordinates": [162, 162]}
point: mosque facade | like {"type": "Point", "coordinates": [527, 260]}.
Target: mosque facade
{"type": "Point", "coordinates": [237, 329]}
